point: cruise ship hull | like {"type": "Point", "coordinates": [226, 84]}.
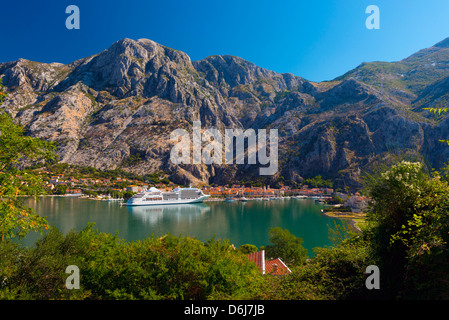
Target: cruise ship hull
{"type": "Point", "coordinates": [167, 202]}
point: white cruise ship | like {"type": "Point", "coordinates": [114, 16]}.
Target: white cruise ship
{"type": "Point", "coordinates": [154, 196]}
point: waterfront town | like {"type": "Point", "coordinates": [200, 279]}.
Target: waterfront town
{"type": "Point", "coordinates": [119, 188]}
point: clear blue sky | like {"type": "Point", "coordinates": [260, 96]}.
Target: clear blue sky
{"type": "Point", "coordinates": [316, 39]}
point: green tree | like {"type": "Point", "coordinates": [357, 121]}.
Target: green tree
{"type": "Point", "coordinates": [248, 248]}
{"type": "Point", "coordinates": [116, 194]}
{"type": "Point", "coordinates": [408, 232]}
{"type": "Point", "coordinates": [336, 200]}
{"type": "Point", "coordinates": [61, 189]}
{"type": "Point", "coordinates": [286, 246]}
{"type": "Point", "coordinates": [15, 148]}
{"type": "Point", "coordinates": [319, 182]}
{"type": "Point", "coordinates": [127, 194]}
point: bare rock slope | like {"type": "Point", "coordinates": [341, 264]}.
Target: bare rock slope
{"type": "Point", "coordinates": [117, 109]}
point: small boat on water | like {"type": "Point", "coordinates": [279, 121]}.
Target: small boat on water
{"type": "Point", "coordinates": [243, 199]}
{"type": "Point", "coordinates": [230, 200]}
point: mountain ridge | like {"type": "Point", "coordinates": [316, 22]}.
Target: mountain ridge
{"type": "Point", "coordinates": [124, 102]}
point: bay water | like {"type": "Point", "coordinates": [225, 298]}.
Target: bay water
{"type": "Point", "coordinates": [239, 222]}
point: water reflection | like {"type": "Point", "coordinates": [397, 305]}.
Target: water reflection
{"type": "Point", "coordinates": [180, 212]}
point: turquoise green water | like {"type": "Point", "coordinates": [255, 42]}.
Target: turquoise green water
{"type": "Point", "coordinates": [239, 222]}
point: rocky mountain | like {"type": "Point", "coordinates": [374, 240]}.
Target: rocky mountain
{"type": "Point", "coordinates": [118, 108]}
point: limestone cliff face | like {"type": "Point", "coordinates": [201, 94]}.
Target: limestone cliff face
{"type": "Point", "coordinates": [117, 109]}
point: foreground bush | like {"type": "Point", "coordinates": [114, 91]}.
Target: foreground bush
{"type": "Point", "coordinates": [409, 232]}
{"type": "Point", "coordinates": [156, 268]}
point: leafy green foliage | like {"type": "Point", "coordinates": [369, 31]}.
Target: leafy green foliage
{"type": "Point", "coordinates": [286, 246]}
{"type": "Point", "coordinates": [318, 182]}
{"type": "Point", "coordinates": [156, 268]}
{"type": "Point", "coordinates": [409, 232]}
{"type": "Point", "coordinates": [248, 248]}
{"type": "Point", "coordinates": [133, 159]}
{"type": "Point", "coordinates": [61, 189]}
{"type": "Point", "coordinates": [336, 200]}
{"type": "Point", "coordinates": [15, 147]}
{"type": "Point", "coordinates": [435, 110]}
{"type": "Point", "coordinates": [439, 110]}
{"type": "Point", "coordinates": [425, 236]}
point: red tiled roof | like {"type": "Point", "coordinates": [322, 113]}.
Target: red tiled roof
{"type": "Point", "coordinates": [259, 259]}
{"type": "Point", "coordinates": [276, 267]}
{"type": "Point", "coordinates": [273, 267]}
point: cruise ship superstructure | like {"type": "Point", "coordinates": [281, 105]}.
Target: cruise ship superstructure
{"type": "Point", "coordinates": [154, 196]}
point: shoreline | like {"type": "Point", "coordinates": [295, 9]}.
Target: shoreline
{"type": "Point", "coordinates": [352, 216]}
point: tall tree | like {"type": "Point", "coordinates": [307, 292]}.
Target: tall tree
{"type": "Point", "coordinates": [15, 149]}
{"type": "Point", "coordinates": [286, 246]}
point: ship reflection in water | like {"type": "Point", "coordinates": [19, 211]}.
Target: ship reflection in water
{"type": "Point", "coordinates": [179, 212]}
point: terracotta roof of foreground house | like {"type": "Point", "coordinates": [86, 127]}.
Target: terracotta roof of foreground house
{"type": "Point", "coordinates": [259, 259]}
{"type": "Point", "coordinates": [274, 267]}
